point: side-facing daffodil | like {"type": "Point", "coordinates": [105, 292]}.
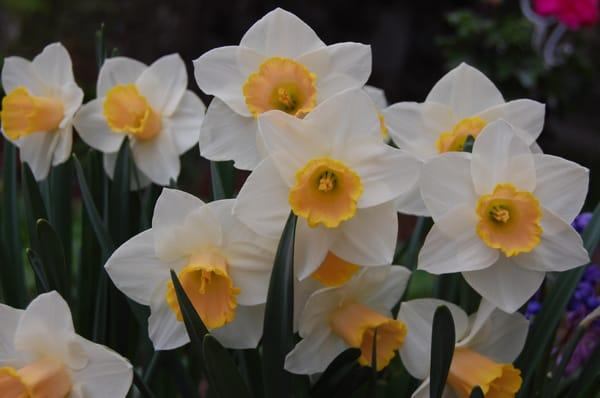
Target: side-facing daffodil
{"type": "Point", "coordinates": [502, 216]}
{"type": "Point", "coordinates": [281, 64]}
{"type": "Point", "coordinates": [486, 345]}
{"type": "Point", "coordinates": [460, 105]}
{"type": "Point", "coordinates": [151, 106]}
{"type": "Point", "coordinates": [338, 318]}
{"type": "Point", "coordinates": [222, 265]}
{"type": "Point", "coordinates": [338, 177]}
{"type": "Point", "coordinates": [381, 102]}
{"type": "Point", "coordinates": [42, 356]}
{"type": "Point", "coordinates": [37, 111]}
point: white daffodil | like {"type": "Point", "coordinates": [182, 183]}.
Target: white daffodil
{"type": "Point", "coordinates": [338, 177]}
{"type": "Point", "coordinates": [338, 318]}
{"type": "Point", "coordinates": [486, 345]}
{"type": "Point", "coordinates": [502, 216]}
{"type": "Point", "coordinates": [222, 265]}
{"type": "Point", "coordinates": [37, 111]}
{"type": "Point", "coordinates": [42, 356]}
{"type": "Point", "coordinates": [461, 104]}
{"type": "Point", "coordinates": [380, 101]}
{"type": "Point", "coordinates": [152, 107]}
{"type": "Point", "coordinates": [280, 64]}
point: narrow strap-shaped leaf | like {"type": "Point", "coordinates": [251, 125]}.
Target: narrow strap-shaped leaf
{"type": "Point", "coordinates": [34, 204]}
{"type": "Point", "coordinates": [224, 377]}
{"type": "Point", "coordinates": [221, 177]}
{"type": "Point", "coordinates": [545, 323]}
{"type": "Point", "coordinates": [250, 365]}
{"type": "Point", "coordinates": [118, 215]}
{"type": "Point", "coordinates": [335, 372]}
{"type": "Point", "coordinates": [193, 324]}
{"type": "Point", "coordinates": [142, 387]}
{"type": "Point", "coordinates": [100, 46]}
{"type": "Point", "coordinates": [11, 270]}
{"type": "Point", "coordinates": [38, 271]}
{"type": "Point", "coordinates": [588, 378]}
{"type": "Point", "coordinates": [551, 388]}
{"type": "Point", "coordinates": [442, 350]}
{"type": "Point", "coordinates": [278, 329]}
{"type": "Point", "coordinates": [99, 332]}
{"type": "Point", "coordinates": [476, 392]}
{"type": "Point", "coordinates": [52, 255]}
{"type": "Point", "coordinates": [61, 217]}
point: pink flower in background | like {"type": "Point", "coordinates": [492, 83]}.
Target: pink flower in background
{"type": "Point", "coordinates": [573, 13]}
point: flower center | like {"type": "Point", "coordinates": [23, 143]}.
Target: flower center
{"type": "Point", "coordinates": [23, 114]}
{"type": "Point", "coordinates": [127, 111]}
{"type": "Point", "coordinates": [326, 192]}
{"type": "Point", "coordinates": [470, 369]}
{"type": "Point", "coordinates": [334, 271]}
{"type": "Point", "coordinates": [509, 220]}
{"type": "Point", "coordinates": [210, 289]}
{"type": "Point", "coordinates": [45, 377]}
{"type": "Point", "coordinates": [356, 324]}
{"type": "Point", "coordinates": [454, 141]}
{"type": "Point", "coordinates": [283, 84]}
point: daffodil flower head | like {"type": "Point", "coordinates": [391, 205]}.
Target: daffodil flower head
{"type": "Point", "coordinates": [461, 104]}
{"type": "Point", "coordinates": [42, 356]}
{"type": "Point", "coordinates": [149, 105]}
{"type": "Point", "coordinates": [280, 64]}
{"type": "Point", "coordinates": [38, 109]}
{"type": "Point", "coordinates": [338, 178]}
{"type": "Point", "coordinates": [352, 315]}
{"type": "Point", "coordinates": [502, 216]}
{"type": "Point", "coordinates": [486, 345]}
{"type": "Point", "coordinates": [222, 265]}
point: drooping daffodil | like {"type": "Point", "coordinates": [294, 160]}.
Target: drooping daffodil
{"type": "Point", "coordinates": [502, 216]}
{"type": "Point", "coordinates": [281, 64]}
{"type": "Point", "coordinates": [42, 356]}
{"type": "Point", "coordinates": [37, 111]}
{"type": "Point", "coordinates": [149, 105]}
{"type": "Point", "coordinates": [222, 265]}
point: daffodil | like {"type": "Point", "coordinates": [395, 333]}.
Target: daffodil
{"type": "Point", "coordinates": [37, 111]}
{"type": "Point", "coordinates": [338, 318]}
{"type": "Point", "coordinates": [281, 64]}
{"type": "Point", "coordinates": [42, 356]}
{"type": "Point", "coordinates": [502, 216]}
{"type": "Point", "coordinates": [338, 177]}
{"type": "Point", "coordinates": [460, 105]}
{"type": "Point", "coordinates": [149, 105]}
{"type": "Point", "coordinates": [486, 345]}
{"type": "Point", "coordinates": [222, 265]}
{"type": "Point", "coordinates": [381, 102]}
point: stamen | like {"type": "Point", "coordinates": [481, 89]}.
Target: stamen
{"type": "Point", "coordinates": [286, 98]}
{"type": "Point", "coordinates": [500, 214]}
{"type": "Point", "coordinates": [327, 181]}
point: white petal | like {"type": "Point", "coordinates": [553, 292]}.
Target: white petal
{"type": "Point", "coordinates": [377, 95]}
{"type": "Point", "coordinates": [526, 116]}
{"type": "Point", "coordinates": [315, 352]}
{"type": "Point", "coordinates": [118, 70]}
{"type": "Point", "coordinates": [262, 203]}
{"type": "Point", "coordinates": [186, 121]}
{"type": "Point", "coordinates": [53, 65]}
{"type": "Point", "coordinates": [157, 158]}
{"type": "Point", "coordinates": [418, 317]}
{"type": "Point", "coordinates": [72, 97]}
{"type": "Point", "coordinates": [226, 135]}
{"type": "Point", "coordinates": [165, 331]}
{"type": "Point", "coordinates": [315, 313]}
{"type": "Point", "coordinates": [466, 90]}
{"type": "Point", "coordinates": [560, 248]}
{"type": "Point", "coordinates": [93, 129]}
{"type": "Point", "coordinates": [37, 150]}
{"type": "Point", "coordinates": [387, 292]}
{"type": "Point", "coordinates": [311, 247]}
{"type": "Point", "coordinates": [411, 202]}
{"type": "Point", "coordinates": [137, 179]}
{"type": "Point", "coordinates": [135, 269]}
{"type": "Point", "coordinates": [369, 237]}
{"type": "Point", "coordinates": [338, 67]}
{"type": "Point", "coordinates": [244, 331]}
{"type": "Point", "coordinates": [500, 156]}
{"type": "Point", "coordinates": [416, 127]}
{"type": "Point", "coordinates": [107, 374]}
{"type": "Point", "coordinates": [163, 83]}
{"type": "Point", "coordinates": [561, 185]}
{"type": "Point", "coordinates": [17, 72]}
{"type": "Point", "coordinates": [62, 152]}
{"type": "Point", "coordinates": [505, 284]}
{"type": "Point", "coordinates": [423, 390]}
{"type": "Point", "coordinates": [9, 319]}
{"type": "Point", "coordinates": [446, 183]}
{"type": "Point", "coordinates": [281, 33]}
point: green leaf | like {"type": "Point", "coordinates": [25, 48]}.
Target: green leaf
{"type": "Point", "coordinates": [551, 387]}
{"type": "Point", "coordinates": [34, 204]}
{"type": "Point", "coordinates": [442, 350]}
{"type": "Point", "coordinates": [545, 323]}
{"type": "Point", "coordinates": [141, 386]}
{"type": "Point", "coordinates": [100, 327]}
{"type": "Point", "coordinates": [224, 377]}
{"type": "Point", "coordinates": [468, 145]}
{"type": "Point", "coordinates": [589, 378]}
{"type": "Point", "coordinates": [476, 392]}
{"type": "Point", "coordinates": [278, 329]}
{"type": "Point", "coordinates": [12, 274]}
{"type": "Point", "coordinates": [38, 270]}
{"type": "Point", "coordinates": [61, 218]}
{"type": "Point", "coordinates": [118, 215]}
{"type": "Point", "coordinates": [100, 46]}
{"type": "Point", "coordinates": [52, 256]}
{"type": "Point", "coordinates": [193, 324]}
{"type": "Point", "coordinates": [221, 176]}
{"type": "Point", "coordinates": [330, 380]}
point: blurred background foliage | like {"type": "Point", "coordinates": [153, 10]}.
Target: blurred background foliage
{"type": "Point", "coordinates": [414, 43]}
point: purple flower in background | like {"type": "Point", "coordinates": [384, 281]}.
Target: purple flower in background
{"type": "Point", "coordinates": [581, 221]}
